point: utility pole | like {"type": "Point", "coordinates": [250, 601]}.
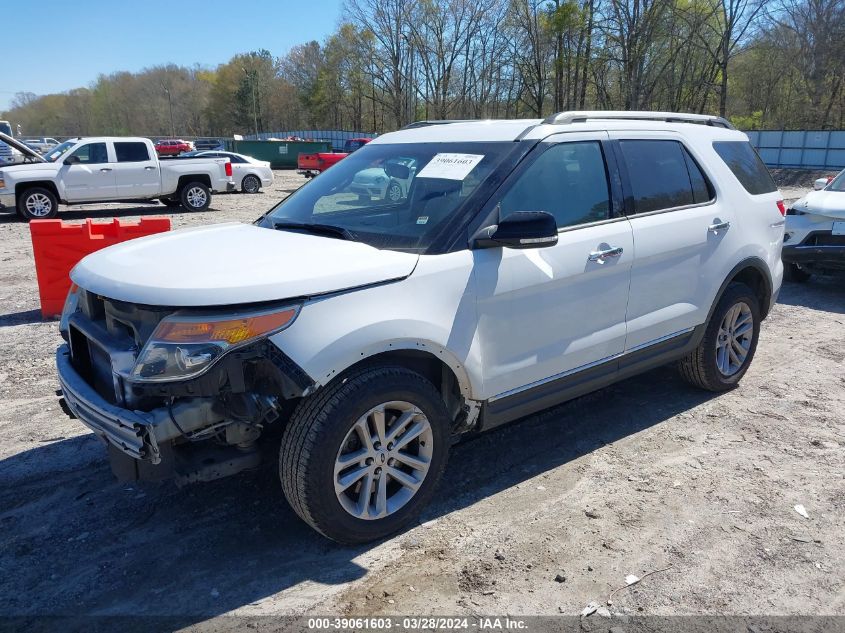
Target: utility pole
{"type": "Point", "coordinates": [251, 77]}
{"type": "Point", "coordinates": [170, 105]}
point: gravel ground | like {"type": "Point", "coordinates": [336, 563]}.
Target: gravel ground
{"type": "Point", "coordinates": [646, 475]}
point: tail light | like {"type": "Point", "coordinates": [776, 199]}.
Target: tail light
{"type": "Point", "coordinates": [229, 173]}
{"type": "Point", "coordinates": [781, 207]}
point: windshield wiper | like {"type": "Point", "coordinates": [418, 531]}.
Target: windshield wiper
{"type": "Point", "coordinates": [318, 229]}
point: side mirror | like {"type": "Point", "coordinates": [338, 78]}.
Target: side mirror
{"type": "Point", "coordinates": [397, 170]}
{"type": "Point", "coordinates": [820, 183]}
{"type": "Point", "coordinates": [523, 229]}
{"type": "Point", "coordinates": [72, 160]}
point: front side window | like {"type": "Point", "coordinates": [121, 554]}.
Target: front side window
{"type": "Point", "coordinates": [396, 195]}
{"type": "Point", "coordinates": [661, 175]}
{"type": "Point", "coordinates": [131, 152]}
{"type": "Point", "coordinates": [568, 180]}
{"type": "Point", "coordinates": [92, 154]}
{"type": "Point", "coordinates": [746, 166]}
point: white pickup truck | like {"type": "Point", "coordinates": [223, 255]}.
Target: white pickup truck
{"type": "Point", "coordinates": [107, 169]}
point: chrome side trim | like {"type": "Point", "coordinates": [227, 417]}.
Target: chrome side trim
{"type": "Point", "coordinates": [569, 372]}
{"type": "Point", "coordinates": [658, 340]}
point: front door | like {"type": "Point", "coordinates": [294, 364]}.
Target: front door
{"type": "Point", "coordinates": [92, 178]}
{"type": "Point", "coordinates": [551, 311]}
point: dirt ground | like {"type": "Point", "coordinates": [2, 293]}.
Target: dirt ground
{"type": "Point", "coordinates": [542, 517]}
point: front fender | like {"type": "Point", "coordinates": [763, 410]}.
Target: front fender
{"type": "Point", "coordinates": [433, 310]}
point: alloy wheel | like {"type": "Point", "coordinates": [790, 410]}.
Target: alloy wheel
{"type": "Point", "coordinates": [38, 205]}
{"type": "Point", "coordinates": [383, 460]}
{"type": "Point", "coordinates": [197, 197]}
{"type": "Point", "coordinates": [733, 340]}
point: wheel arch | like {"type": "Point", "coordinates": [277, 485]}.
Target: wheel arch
{"type": "Point", "coordinates": [754, 273]}
{"type": "Point", "coordinates": [443, 370]}
{"type": "Point", "coordinates": [187, 179]}
{"type": "Point", "coordinates": [21, 187]}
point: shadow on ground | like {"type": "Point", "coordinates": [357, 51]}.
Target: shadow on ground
{"type": "Point", "coordinates": [825, 293]}
{"type": "Point", "coordinates": [20, 318]}
{"type": "Point", "coordinates": [76, 542]}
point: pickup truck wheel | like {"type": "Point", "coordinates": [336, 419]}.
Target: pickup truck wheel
{"type": "Point", "coordinates": [250, 184]}
{"type": "Point", "coordinates": [361, 458]}
{"type": "Point", "coordinates": [38, 203]}
{"type": "Point", "coordinates": [730, 340]}
{"type": "Point", "coordinates": [791, 272]}
{"type": "Point", "coordinates": [195, 196]}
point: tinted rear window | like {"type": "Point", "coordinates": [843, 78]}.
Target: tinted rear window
{"type": "Point", "coordinates": [746, 166]}
{"type": "Point", "coordinates": [662, 175]}
{"type": "Point", "coordinates": [131, 152]}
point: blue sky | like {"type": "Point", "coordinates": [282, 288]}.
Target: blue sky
{"type": "Point", "coordinates": [62, 44]}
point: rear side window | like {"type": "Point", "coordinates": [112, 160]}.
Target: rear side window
{"type": "Point", "coordinates": [663, 175]}
{"type": "Point", "coordinates": [131, 152]}
{"type": "Point", "coordinates": [746, 166]}
{"type": "Point", "coordinates": [568, 180]}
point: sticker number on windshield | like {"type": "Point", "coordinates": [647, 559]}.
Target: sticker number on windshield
{"type": "Point", "coordinates": [450, 166]}
{"type": "Point", "coordinates": [838, 228]}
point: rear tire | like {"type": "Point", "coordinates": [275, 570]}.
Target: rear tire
{"type": "Point", "coordinates": [38, 203]}
{"type": "Point", "coordinates": [730, 340]}
{"type": "Point", "coordinates": [250, 184]}
{"type": "Point", "coordinates": [333, 438]}
{"type": "Point", "coordinates": [195, 196]}
{"type": "Point", "coordinates": [792, 272]}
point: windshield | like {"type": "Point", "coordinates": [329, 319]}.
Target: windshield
{"type": "Point", "coordinates": [838, 183]}
{"type": "Point", "coordinates": [58, 151]}
{"type": "Point", "coordinates": [6, 128]}
{"type": "Point", "coordinates": [395, 196]}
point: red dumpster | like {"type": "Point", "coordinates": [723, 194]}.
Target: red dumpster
{"type": "Point", "coordinates": [58, 246]}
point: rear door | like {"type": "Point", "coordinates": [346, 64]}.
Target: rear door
{"type": "Point", "coordinates": [136, 170]}
{"type": "Point", "coordinates": [551, 311]}
{"type": "Point", "coordinates": [92, 178]}
{"type": "Point", "coordinates": [681, 234]}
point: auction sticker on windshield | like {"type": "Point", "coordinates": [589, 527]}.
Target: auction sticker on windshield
{"type": "Point", "coordinates": [450, 166]}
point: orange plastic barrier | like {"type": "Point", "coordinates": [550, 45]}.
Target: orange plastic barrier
{"type": "Point", "coordinates": [58, 246]}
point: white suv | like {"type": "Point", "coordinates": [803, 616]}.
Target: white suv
{"type": "Point", "coordinates": [529, 262]}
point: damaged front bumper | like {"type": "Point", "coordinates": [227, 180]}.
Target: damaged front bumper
{"type": "Point", "coordinates": [138, 434]}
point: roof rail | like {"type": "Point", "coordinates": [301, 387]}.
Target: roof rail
{"type": "Point", "coordinates": [416, 124]}
{"type": "Point", "coordinates": [565, 118]}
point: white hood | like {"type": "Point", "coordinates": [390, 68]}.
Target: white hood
{"type": "Point", "coordinates": [227, 264]}
{"type": "Point", "coordinates": [827, 203]}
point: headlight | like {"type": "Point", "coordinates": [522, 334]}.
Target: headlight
{"type": "Point", "coordinates": [71, 305]}
{"type": "Point", "coordinates": [184, 346]}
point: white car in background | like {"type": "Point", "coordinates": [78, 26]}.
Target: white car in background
{"type": "Point", "coordinates": [390, 182]}
{"type": "Point", "coordinates": [249, 174]}
{"type": "Point", "coordinates": [41, 144]}
{"type": "Point", "coordinates": [814, 241]}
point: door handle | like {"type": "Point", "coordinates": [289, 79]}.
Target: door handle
{"type": "Point", "coordinates": [149, 168]}
{"type": "Point", "coordinates": [105, 169]}
{"type": "Point", "coordinates": [719, 226]}
{"type": "Point", "coordinates": [599, 256]}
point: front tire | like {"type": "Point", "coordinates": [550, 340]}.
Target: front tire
{"type": "Point", "coordinates": [730, 340]}
{"type": "Point", "coordinates": [38, 203]}
{"type": "Point", "coordinates": [195, 196]}
{"type": "Point", "coordinates": [250, 184]}
{"type": "Point", "coordinates": [362, 457]}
